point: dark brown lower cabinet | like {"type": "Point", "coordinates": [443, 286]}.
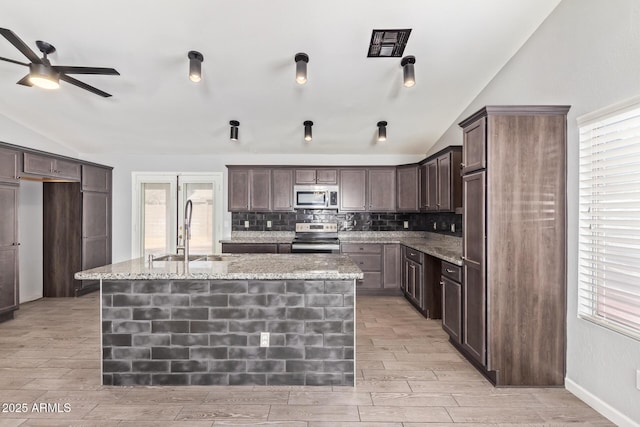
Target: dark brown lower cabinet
{"type": "Point", "coordinates": [421, 282]}
{"type": "Point", "coordinates": [452, 301]}
{"type": "Point", "coordinates": [251, 248]}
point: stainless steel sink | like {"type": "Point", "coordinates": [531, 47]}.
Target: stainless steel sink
{"type": "Point", "coordinates": [175, 257]}
{"type": "Point", "coordinates": [215, 258]}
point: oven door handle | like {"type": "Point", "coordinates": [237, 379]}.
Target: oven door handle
{"type": "Point", "coordinates": [311, 246]}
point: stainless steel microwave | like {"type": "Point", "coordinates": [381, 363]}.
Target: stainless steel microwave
{"type": "Point", "coordinates": [315, 196]}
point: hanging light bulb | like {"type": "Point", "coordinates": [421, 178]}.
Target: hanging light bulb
{"type": "Point", "coordinates": [408, 71]}
{"type": "Point", "coordinates": [195, 66]}
{"type": "Point", "coordinates": [307, 130]}
{"type": "Point", "coordinates": [301, 60]}
{"type": "Point", "coordinates": [382, 131]}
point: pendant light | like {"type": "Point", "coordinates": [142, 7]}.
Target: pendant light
{"type": "Point", "coordinates": [195, 66]}
{"type": "Point", "coordinates": [408, 71]}
{"type": "Point", "coordinates": [301, 60]}
{"type": "Point", "coordinates": [382, 131]}
{"type": "Point", "coordinates": [307, 130]}
{"type": "Point", "coordinates": [43, 76]}
{"type": "Point", "coordinates": [234, 130]}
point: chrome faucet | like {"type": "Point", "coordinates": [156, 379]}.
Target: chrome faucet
{"type": "Point", "coordinates": [188, 211]}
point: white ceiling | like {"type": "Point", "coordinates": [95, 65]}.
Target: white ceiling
{"type": "Point", "coordinates": [248, 71]}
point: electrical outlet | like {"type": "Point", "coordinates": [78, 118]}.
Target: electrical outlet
{"type": "Point", "coordinates": [435, 226]}
{"type": "Point", "coordinates": [246, 224]}
{"type": "Point", "coordinates": [264, 339]}
{"type": "Point", "coordinates": [453, 228]}
{"type": "Point", "coordinates": [268, 224]}
{"type": "Point", "coordinates": [406, 224]}
{"type": "Point", "coordinates": [638, 379]}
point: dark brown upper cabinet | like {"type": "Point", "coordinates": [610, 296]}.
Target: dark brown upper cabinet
{"type": "Point", "coordinates": [440, 181]}
{"type": "Point", "coordinates": [381, 193]}
{"type": "Point", "coordinates": [320, 176]}
{"type": "Point", "coordinates": [9, 165]}
{"type": "Point", "coordinates": [51, 167]}
{"type": "Point", "coordinates": [474, 150]}
{"type": "Point", "coordinates": [282, 190]}
{"type": "Point", "coordinates": [249, 189]}
{"type": "Point", "coordinates": [96, 179]}
{"type": "Point", "coordinates": [408, 188]}
{"type": "Point", "coordinates": [353, 189]}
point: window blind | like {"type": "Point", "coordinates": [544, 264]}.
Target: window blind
{"type": "Point", "coordinates": [609, 220]}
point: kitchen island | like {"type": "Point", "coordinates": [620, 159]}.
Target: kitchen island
{"type": "Point", "coordinates": [164, 323]}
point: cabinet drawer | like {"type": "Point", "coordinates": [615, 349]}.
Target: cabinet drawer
{"type": "Point", "coordinates": [413, 255]}
{"type": "Point", "coordinates": [367, 262]}
{"type": "Point", "coordinates": [452, 271]}
{"type": "Point", "coordinates": [371, 280]}
{"type": "Point", "coordinates": [364, 248]}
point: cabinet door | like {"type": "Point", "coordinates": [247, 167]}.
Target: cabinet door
{"type": "Point", "coordinates": [8, 248]}
{"type": "Point", "coordinates": [96, 229]}
{"type": "Point", "coordinates": [66, 169]}
{"type": "Point", "coordinates": [474, 315]}
{"type": "Point", "coordinates": [474, 146]}
{"type": "Point", "coordinates": [96, 179]}
{"type": "Point", "coordinates": [353, 185]}
{"type": "Point", "coordinates": [452, 308]}
{"type": "Point", "coordinates": [282, 190]}
{"type": "Point", "coordinates": [391, 267]}
{"type": "Point", "coordinates": [382, 190]}
{"type": "Point", "coordinates": [305, 176]}
{"type": "Point", "coordinates": [9, 161]}
{"type": "Point", "coordinates": [250, 248]}
{"type": "Point", "coordinates": [408, 187]}
{"type": "Point", "coordinates": [260, 190]}
{"type": "Point", "coordinates": [238, 190]}
{"type": "Point", "coordinates": [39, 165]}
{"type": "Point", "coordinates": [424, 187]}
{"type": "Point", "coordinates": [327, 176]}
{"type": "Point", "coordinates": [432, 186]}
{"type": "Point", "coordinates": [444, 183]}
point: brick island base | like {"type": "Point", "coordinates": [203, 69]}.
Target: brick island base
{"type": "Point", "coordinates": [207, 332]}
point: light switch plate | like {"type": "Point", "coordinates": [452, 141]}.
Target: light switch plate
{"type": "Point", "coordinates": [453, 228]}
{"type": "Point", "coordinates": [435, 226]}
{"type": "Point", "coordinates": [246, 224]}
{"type": "Point", "coordinates": [406, 224]}
{"type": "Point", "coordinates": [638, 379]}
{"type": "Point", "coordinates": [268, 224]}
{"type": "Point", "coordinates": [264, 339]}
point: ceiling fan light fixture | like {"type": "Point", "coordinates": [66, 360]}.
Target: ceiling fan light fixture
{"type": "Point", "coordinates": [382, 131]}
{"type": "Point", "coordinates": [408, 70]}
{"type": "Point", "coordinates": [301, 60]}
{"type": "Point", "coordinates": [43, 76]}
{"type": "Point", "coordinates": [307, 130]}
{"type": "Point", "coordinates": [195, 66]}
{"type": "Point", "coordinates": [234, 130]}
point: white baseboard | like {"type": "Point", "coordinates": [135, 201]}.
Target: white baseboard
{"type": "Point", "coordinates": [599, 405]}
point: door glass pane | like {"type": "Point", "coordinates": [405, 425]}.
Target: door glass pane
{"type": "Point", "coordinates": [156, 214]}
{"type": "Point", "coordinates": [202, 230]}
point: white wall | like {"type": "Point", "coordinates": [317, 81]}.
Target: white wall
{"type": "Point", "coordinates": [587, 55]}
{"type": "Point", "coordinates": [18, 134]}
{"type": "Point", "coordinates": [30, 229]}
{"type": "Point", "coordinates": [124, 165]}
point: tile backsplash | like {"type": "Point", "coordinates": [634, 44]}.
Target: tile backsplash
{"type": "Point", "coordinates": [350, 221]}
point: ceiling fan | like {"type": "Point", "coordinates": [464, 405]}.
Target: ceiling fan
{"type": "Point", "coordinates": [47, 76]}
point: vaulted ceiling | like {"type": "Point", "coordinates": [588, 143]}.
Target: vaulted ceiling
{"type": "Point", "coordinates": [248, 73]}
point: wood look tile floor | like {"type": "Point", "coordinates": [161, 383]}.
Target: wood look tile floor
{"type": "Point", "coordinates": [408, 375]}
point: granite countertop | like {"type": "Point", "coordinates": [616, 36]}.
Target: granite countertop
{"type": "Point", "coordinates": [445, 247]}
{"type": "Point", "coordinates": [234, 267]}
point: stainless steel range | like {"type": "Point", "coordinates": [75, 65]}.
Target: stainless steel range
{"type": "Point", "coordinates": [316, 238]}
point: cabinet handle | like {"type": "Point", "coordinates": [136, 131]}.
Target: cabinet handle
{"type": "Point", "coordinates": [449, 270]}
{"type": "Point", "coordinates": [442, 282]}
{"type": "Point", "coordinates": [15, 244]}
{"type": "Point", "coordinates": [462, 165]}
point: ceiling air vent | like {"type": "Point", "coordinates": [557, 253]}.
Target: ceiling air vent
{"type": "Point", "coordinates": [388, 43]}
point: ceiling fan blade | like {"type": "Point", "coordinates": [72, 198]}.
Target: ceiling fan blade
{"type": "Point", "coordinates": [86, 70]}
{"type": "Point", "coordinates": [83, 85]}
{"type": "Point", "coordinates": [13, 61]}
{"type": "Point", "coordinates": [25, 81]}
{"type": "Point", "coordinates": [20, 45]}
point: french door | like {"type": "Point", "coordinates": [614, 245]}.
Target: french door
{"type": "Point", "coordinates": [158, 205]}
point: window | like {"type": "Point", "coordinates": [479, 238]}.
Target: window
{"type": "Point", "coordinates": [609, 235]}
{"type": "Point", "coordinates": [158, 212]}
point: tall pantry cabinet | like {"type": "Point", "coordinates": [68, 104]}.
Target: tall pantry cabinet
{"type": "Point", "coordinates": [9, 244]}
{"type": "Point", "coordinates": [514, 245]}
